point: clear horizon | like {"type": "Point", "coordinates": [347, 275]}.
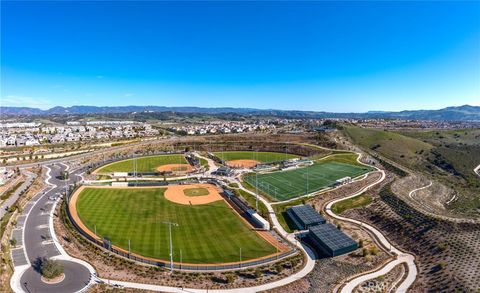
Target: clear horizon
{"type": "Point", "coordinates": [318, 56]}
{"type": "Point", "coordinates": [133, 105]}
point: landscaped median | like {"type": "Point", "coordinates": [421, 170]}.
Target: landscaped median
{"type": "Point", "coordinates": [351, 203]}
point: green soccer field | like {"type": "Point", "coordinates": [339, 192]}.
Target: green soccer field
{"type": "Point", "coordinates": [263, 157]}
{"type": "Point", "coordinates": [210, 233]}
{"type": "Point", "coordinates": [283, 185]}
{"type": "Point", "coordinates": [144, 164]}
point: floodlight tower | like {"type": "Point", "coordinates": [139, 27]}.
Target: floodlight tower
{"type": "Point", "coordinates": [307, 179]}
{"type": "Point", "coordinates": [256, 190]}
{"type": "Point", "coordinates": [170, 224]}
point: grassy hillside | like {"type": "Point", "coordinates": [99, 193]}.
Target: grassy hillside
{"type": "Point", "coordinates": [446, 155]}
{"type": "Point", "coordinates": [395, 146]}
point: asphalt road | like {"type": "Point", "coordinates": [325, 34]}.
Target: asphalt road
{"type": "Point", "coordinates": [38, 243]}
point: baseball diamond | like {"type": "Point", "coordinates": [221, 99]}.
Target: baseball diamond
{"type": "Point", "coordinates": [262, 157]}
{"type": "Point", "coordinates": [206, 234]}
{"type": "Point", "coordinates": [145, 164]}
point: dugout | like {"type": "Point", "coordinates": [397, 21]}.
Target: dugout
{"type": "Point", "coordinates": [331, 241]}
{"type": "Point", "coordinates": [304, 216]}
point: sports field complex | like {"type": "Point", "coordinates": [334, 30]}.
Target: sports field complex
{"type": "Point", "coordinates": [208, 230]}
{"type": "Point", "coordinates": [174, 162]}
{"type": "Point", "coordinates": [284, 185]}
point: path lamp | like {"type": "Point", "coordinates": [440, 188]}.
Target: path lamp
{"type": "Point", "coordinates": [240, 257]}
{"type": "Point", "coordinates": [170, 224]}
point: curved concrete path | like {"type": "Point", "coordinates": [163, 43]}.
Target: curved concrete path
{"type": "Point", "coordinates": [401, 256]}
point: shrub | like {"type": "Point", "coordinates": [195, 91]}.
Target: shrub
{"type": "Point", "coordinates": [258, 273]}
{"type": "Point", "coordinates": [364, 252]}
{"type": "Point", "coordinates": [230, 279]}
{"type": "Point", "coordinates": [51, 268]}
{"type": "Point", "coordinates": [278, 268]}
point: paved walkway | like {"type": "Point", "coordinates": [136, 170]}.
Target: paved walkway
{"type": "Point", "coordinates": [402, 257]}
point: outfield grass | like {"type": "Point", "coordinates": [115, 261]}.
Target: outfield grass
{"type": "Point", "coordinates": [144, 164]}
{"type": "Point", "coordinates": [283, 185]}
{"type": "Point", "coordinates": [210, 233]}
{"type": "Point", "coordinates": [263, 157]}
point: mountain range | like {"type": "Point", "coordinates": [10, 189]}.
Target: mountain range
{"type": "Point", "coordinates": [460, 113]}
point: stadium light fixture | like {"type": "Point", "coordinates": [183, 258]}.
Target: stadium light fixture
{"type": "Point", "coordinates": [170, 224]}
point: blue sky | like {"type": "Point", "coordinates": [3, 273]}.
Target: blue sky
{"type": "Point", "coordinates": [325, 56]}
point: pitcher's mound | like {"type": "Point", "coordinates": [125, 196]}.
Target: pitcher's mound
{"type": "Point", "coordinates": [242, 163]}
{"type": "Point", "coordinates": [177, 194]}
{"type": "Point", "coordinates": [175, 168]}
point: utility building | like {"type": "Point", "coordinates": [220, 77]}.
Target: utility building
{"type": "Point", "coordinates": [331, 241]}
{"type": "Point", "coordinates": [304, 216]}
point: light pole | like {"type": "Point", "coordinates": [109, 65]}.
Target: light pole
{"type": "Point", "coordinates": [256, 191]}
{"type": "Point", "coordinates": [307, 179]}
{"type": "Point", "coordinates": [240, 257]}
{"type": "Point", "coordinates": [170, 224]}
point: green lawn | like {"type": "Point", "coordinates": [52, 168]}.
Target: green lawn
{"type": "Point", "coordinates": [351, 203]}
{"type": "Point", "coordinates": [144, 164]}
{"type": "Point", "coordinates": [210, 233]}
{"type": "Point", "coordinates": [263, 157]}
{"type": "Point", "coordinates": [283, 185]}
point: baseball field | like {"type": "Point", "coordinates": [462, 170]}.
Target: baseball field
{"type": "Point", "coordinates": [251, 159]}
{"type": "Point", "coordinates": [283, 185]}
{"type": "Point", "coordinates": [146, 164]}
{"type": "Point", "coordinates": [207, 233]}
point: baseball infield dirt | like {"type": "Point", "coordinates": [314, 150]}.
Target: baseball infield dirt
{"type": "Point", "coordinates": [242, 163]}
{"type": "Point", "coordinates": [175, 168]}
{"type": "Point", "coordinates": [175, 193]}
